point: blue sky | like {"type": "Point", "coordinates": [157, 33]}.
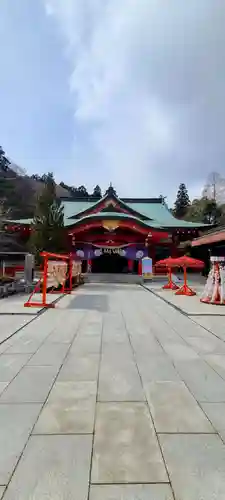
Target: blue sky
{"type": "Point", "coordinates": [125, 91]}
{"type": "Point", "coordinates": [36, 128]}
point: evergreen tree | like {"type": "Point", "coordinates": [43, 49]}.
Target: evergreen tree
{"type": "Point", "coordinates": [4, 162]}
{"type": "Point", "coordinates": [182, 202]}
{"type": "Point", "coordinates": [82, 192]}
{"type": "Point", "coordinates": [48, 224]}
{"type": "Point", "coordinates": [97, 193]}
{"type": "Point", "coordinates": [206, 211]}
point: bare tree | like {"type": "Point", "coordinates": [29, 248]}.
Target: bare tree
{"type": "Point", "coordinates": [214, 188]}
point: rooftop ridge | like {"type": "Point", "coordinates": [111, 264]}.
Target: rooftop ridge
{"type": "Point", "coordinates": [125, 200]}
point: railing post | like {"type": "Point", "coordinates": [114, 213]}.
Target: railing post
{"type": "Point", "coordinates": [44, 293]}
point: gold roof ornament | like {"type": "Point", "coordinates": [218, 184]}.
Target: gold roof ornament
{"type": "Point", "coordinates": [111, 203]}
{"type": "Point", "coordinates": [110, 225]}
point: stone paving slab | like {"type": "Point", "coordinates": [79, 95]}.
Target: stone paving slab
{"type": "Point", "coordinates": [146, 344]}
{"type": "Point", "coordinates": [90, 329]}
{"type": "Point", "coordinates": [12, 323]}
{"type": "Point", "coordinates": [32, 385]}
{"type": "Point", "coordinates": [217, 362]}
{"type": "Point", "coordinates": [86, 345]}
{"type": "Point", "coordinates": [125, 445]}
{"type": "Point", "coordinates": [52, 467]}
{"type": "Point", "coordinates": [196, 465]}
{"type": "Point", "coordinates": [63, 336]}
{"type": "Point", "coordinates": [156, 368]}
{"type": "Point", "coordinates": [11, 364]}
{"type": "Point", "coordinates": [131, 492]}
{"type": "Point", "coordinates": [189, 305]}
{"type": "Point", "coordinates": [216, 414]}
{"type": "Point", "coordinates": [118, 351]}
{"type": "Point", "coordinates": [174, 409]}
{"type": "Point", "coordinates": [49, 355]}
{"type": "Point", "coordinates": [15, 304]}
{"type": "Point", "coordinates": [119, 381]}
{"type": "Point", "coordinates": [180, 351]}
{"type": "Point", "coordinates": [15, 427]}
{"type": "Point", "coordinates": [80, 368]}
{"type": "Point", "coordinates": [3, 385]}
{"type": "Point", "coordinates": [207, 345]}
{"type": "Point", "coordinates": [119, 337]}
{"type": "Point", "coordinates": [37, 328]}
{"type": "Point", "coordinates": [213, 323]}
{"type": "Point", "coordinates": [134, 336]}
{"type": "Point", "coordinates": [24, 345]}
{"type": "Point", "coordinates": [70, 409]}
{"type": "Point", "coordinates": [2, 489]}
{"type": "Point", "coordinates": [201, 379]}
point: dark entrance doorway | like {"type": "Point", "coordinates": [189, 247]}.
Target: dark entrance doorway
{"type": "Point", "coordinates": [110, 263]}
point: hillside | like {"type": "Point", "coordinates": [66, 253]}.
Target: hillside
{"type": "Point", "coordinates": [19, 192]}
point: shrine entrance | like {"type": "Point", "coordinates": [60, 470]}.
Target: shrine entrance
{"type": "Point", "coordinates": [110, 263]}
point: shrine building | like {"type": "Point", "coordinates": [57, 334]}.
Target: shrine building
{"type": "Point", "coordinates": [113, 234]}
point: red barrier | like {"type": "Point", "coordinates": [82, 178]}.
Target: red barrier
{"type": "Point", "coordinates": [44, 281]}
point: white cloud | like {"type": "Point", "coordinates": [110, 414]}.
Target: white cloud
{"type": "Point", "coordinates": [147, 83]}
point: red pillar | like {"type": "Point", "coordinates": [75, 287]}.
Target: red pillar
{"type": "Point", "coordinates": [173, 250]}
{"type": "Point", "coordinates": [130, 265]}
{"type": "Point", "coordinates": [89, 265]}
{"type": "Point", "coordinates": [140, 268]}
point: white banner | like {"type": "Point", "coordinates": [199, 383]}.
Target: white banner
{"type": "Point", "coordinates": [76, 269]}
{"type": "Point", "coordinates": [56, 273]}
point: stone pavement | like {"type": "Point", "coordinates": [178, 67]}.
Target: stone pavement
{"type": "Point", "coordinates": [192, 306]}
{"type": "Point", "coordinates": [113, 395]}
{"type": "Point", "coordinates": [13, 314]}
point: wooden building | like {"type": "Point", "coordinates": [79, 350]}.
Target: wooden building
{"type": "Point", "coordinates": [113, 234]}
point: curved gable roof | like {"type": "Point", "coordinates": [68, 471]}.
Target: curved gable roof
{"type": "Point", "coordinates": [153, 210]}
{"type": "Point", "coordinates": [90, 207]}
{"type": "Point", "coordinates": [112, 215]}
{"type": "Point", "coordinates": [158, 211]}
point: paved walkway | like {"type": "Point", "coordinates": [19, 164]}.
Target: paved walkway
{"type": "Point", "coordinates": [114, 395]}
{"type": "Point", "coordinates": [192, 306]}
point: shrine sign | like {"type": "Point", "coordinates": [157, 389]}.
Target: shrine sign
{"type": "Point", "coordinates": [147, 267]}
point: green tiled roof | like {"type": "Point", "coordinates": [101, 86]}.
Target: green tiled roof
{"type": "Point", "coordinates": [155, 212]}
{"type": "Point", "coordinates": [111, 215]}
{"type": "Point", "coordinates": [75, 207]}
{"type": "Point", "coordinates": [27, 222]}
{"type": "Point", "coordinates": [160, 213]}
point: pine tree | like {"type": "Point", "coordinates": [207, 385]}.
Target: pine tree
{"type": "Point", "coordinates": [48, 224]}
{"type": "Point", "coordinates": [182, 202]}
{"type": "Point", "coordinates": [97, 193]}
{"type": "Point", "coordinates": [4, 162]}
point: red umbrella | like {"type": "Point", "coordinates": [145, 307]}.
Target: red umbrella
{"type": "Point", "coordinates": [169, 263]}
{"type": "Point", "coordinates": [186, 262]}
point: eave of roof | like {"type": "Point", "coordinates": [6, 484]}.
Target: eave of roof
{"type": "Point", "coordinates": [112, 216]}
{"type": "Point", "coordinates": [22, 222]}
{"type": "Point", "coordinates": [149, 209]}
{"type": "Point", "coordinates": [213, 236]}
{"type": "Point", "coordinates": [121, 202]}
{"type": "Point", "coordinates": [152, 211]}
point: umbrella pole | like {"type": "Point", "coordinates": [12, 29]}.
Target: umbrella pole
{"type": "Point", "coordinates": [185, 289]}
{"type": "Point", "coordinates": [170, 285]}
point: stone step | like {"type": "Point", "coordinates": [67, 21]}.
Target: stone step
{"type": "Point", "coordinates": [113, 278]}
